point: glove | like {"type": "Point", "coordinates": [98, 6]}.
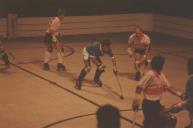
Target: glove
{"type": "Point", "coordinates": [135, 105]}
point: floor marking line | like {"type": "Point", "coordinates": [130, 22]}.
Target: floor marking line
{"type": "Point", "coordinates": [68, 90]}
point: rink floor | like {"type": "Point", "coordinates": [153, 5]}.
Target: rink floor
{"type": "Point", "coordinates": [33, 98]}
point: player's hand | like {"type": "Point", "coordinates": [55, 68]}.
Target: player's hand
{"type": "Point", "coordinates": [181, 95]}
{"type": "Point", "coordinates": [135, 105]}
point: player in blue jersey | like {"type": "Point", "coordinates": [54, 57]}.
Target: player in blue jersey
{"type": "Point", "coordinates": [92, 53]}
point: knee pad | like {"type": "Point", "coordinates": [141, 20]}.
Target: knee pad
{"type": "Point", "coordinates": [87, 69]}
{"type": "Point", "coordinates": [101, 67]}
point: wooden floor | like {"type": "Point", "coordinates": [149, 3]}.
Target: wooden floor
{"type": "Point", "coordinates": [33, 98]}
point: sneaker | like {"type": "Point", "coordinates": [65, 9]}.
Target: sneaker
{"type": "Point", "coordinates": [46, 66]}
{"type": "Point", "coordinates": [61, 67]}
{"type": "Point", "coordinates": [78, 85]}
{"type": "Point", "coordinates": [98, 83]}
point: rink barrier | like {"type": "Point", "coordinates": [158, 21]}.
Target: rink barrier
{"type": "Point", "coordinates": [3, 27]}
{"type": "Point", "coordinates": [173, 26]}
{"type": "Point", "coordinates": [84, 25]}
{"type": "Point", "coordinates": [77, 25]}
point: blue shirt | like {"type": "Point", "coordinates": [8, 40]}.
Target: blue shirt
{"type": "Point", "coordinates": [95, 50]}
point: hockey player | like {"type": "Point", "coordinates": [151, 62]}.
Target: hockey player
{"type": "Point", "coordinates": [152, 85]}
{"type": "Point", "coordinates": [189, 92]}
{"type": "Point", "coordinates": [52, 42]}
{"type": "Point", "coordinates": [108, 116]}
{"type": "Point", "coordinates": [92, 53]}
{"type": "Point", "coordinates": [139, 49]}
{"type": "Point", "coordinates": [4, 56]}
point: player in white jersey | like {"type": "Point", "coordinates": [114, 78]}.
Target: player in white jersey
{"type": "Point", "coordinates": [139, 49]}
{"type": "Point", "coordinates": [52, 42]}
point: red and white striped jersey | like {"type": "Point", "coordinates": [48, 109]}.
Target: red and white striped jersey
{"type": "Point", "coordinates": [153, 85]}
{"type": "Point", "coordinates": [53, 26]}
{"type": "Point", "coordinates": [141, 42]}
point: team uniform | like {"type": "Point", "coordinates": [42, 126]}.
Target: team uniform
{"type": "Point", "coordinates": [153, 85]}
{"type": "Point", "coordinates": [92, 53]}
{"type": "Point", "coordinates": [139, 47]}
{"type": "Point", "coordinates": [52, 42]}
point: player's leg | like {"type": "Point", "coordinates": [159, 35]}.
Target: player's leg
{"type": "Point", "coordinates": [49, 49]}
{"type": "Point", "coordinates": [82, 74]}
{"type": "Point", "coordinates": [139, 62]}
{"type": "Point", "coordinates": [100, 69]}
{"type": "Point", "coordinates": [60, 65]}
{"type": "Point", "coordinates": [85, 70]}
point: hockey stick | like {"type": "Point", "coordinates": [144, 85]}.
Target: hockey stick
{"type": "Point", "coordinates": [11, 57]}
{"type": "Point", "coordinates": [134, 119]}
{"type": "Point", "coordinates": [119, 84]}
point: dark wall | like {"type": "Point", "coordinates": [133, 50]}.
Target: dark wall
{"type": "Point", "coordinates": [182, 8]}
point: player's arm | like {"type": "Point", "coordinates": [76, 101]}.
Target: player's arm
{"type": "Point", "coordinates": [148, 41]}
{"type": "Point", "coordinates": [130, 44]}
{"type": "Point", "coordinates": [172, 89]}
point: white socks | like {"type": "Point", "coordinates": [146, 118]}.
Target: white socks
{"type": "Point", "coordinates": [60, 57]}
{"type": "Point", "coordinates": [47, 56]}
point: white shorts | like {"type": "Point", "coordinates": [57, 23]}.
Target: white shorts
{"type": "Point", "coordinates": [85, 54]}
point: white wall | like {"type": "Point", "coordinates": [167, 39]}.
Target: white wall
{"type": "Point", "coordinates": [76, 25]}
{"type": "Point", "coordinates": [3, 27]}
{"type": "Point", "coordinates": [174, 26]}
